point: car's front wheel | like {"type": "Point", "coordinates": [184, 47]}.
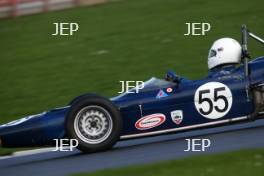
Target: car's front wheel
{"type": "Point", "coordinates": [95, 122]}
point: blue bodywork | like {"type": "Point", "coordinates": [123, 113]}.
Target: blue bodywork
{"type": "Point", "coordinates": [41, 129]}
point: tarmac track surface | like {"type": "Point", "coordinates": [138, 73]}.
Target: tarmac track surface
{"type": "Point", "coordinates": [139, 151]}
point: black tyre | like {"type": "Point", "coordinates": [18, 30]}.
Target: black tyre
{"type": "Point", "coordinates": [95, 122]}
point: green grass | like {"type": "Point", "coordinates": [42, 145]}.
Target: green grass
{"type": "Point", "coordinates": [242, 163]}
{"type": "Point", "coordinates": [126, 40]}
{"type": "Point", "coordinates": [9, 151]}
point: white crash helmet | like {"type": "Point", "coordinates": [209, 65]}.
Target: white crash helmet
{"type": "Point", "coordinates": [224, 51]}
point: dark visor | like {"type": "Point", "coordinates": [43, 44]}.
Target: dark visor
{"type": "Point", "coordinates": [212, 53]}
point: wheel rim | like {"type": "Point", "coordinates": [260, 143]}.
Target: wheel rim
{"type": "Point", "coordinates": [93, 124]}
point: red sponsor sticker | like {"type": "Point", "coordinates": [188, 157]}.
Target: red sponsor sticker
{"type": "Point", "coordinates": [150, 121]}
{"type": "Point", "coordinates": [169, 90]}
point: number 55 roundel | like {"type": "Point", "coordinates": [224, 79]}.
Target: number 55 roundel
{"type": "Point", "coordinates": [213, 100]}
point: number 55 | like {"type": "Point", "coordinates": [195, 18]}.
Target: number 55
{"type": "Point", "coordinates": [211, 103]}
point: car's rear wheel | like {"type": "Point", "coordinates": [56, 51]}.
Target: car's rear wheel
{"type": "Point", "coordinates": [95, 122]}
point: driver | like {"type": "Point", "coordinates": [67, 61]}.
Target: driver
{"type": "Point", "coordinates": [223, 57]}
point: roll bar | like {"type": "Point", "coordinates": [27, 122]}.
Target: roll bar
{"type": "Point", "coordinates": [256, 37]}
{"type": "Point", "coordinates": [245, 53]}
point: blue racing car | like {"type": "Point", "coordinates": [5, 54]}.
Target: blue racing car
{"type": "Point", "coordinates": [232, 92]}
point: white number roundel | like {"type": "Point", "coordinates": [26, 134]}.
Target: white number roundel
{"type": "Point", "coordinates": [213, 100]}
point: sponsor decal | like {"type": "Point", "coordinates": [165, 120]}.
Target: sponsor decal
{"type": "Point", "coordinates": [161, 94]}
{"type": "Point", "coordinates": [150, 121]}
{"type": "Point", "coordinates": [177, 116]}
{"type": "Point", "coordinates": [169, 90]}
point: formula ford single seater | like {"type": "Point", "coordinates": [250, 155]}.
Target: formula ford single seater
{"type": "Point", "coordinates": [163, 106]}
